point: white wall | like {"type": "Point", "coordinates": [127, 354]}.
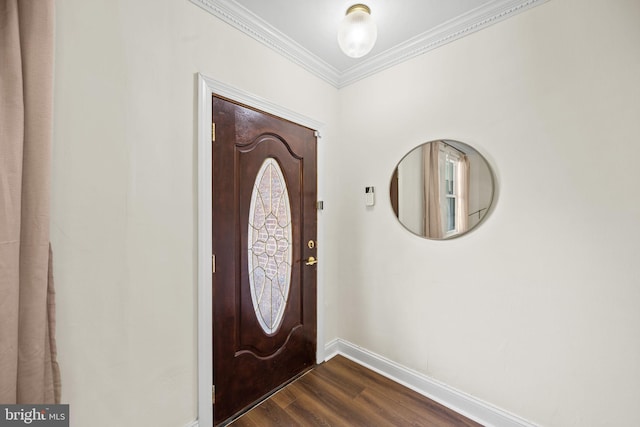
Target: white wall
{"type": "Point", "coordinates": [124, 195]}
{"type": "Point", "coordinates": [536, 311]}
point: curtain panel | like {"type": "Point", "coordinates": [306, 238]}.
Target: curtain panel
{"type": "Point", "coordinates": [29, 372]}
{"type": "Point", "coordinates": [433, 216]}
{"type": "Point", "coordinates": [463, 194]}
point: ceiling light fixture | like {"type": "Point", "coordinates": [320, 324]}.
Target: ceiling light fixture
{"type": "Point", "coordinates": [358, 31]}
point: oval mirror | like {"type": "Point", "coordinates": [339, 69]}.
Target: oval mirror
{"type": "Point", "coordinates": [442, 189]}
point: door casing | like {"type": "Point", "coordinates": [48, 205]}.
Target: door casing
{"type": "Point", "coordinates": [206, 88]}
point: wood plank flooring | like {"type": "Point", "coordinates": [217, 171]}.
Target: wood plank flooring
{"type": "Point", "coordinates": [342, 393]}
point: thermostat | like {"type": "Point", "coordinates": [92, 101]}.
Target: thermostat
{"type": "Point", "coordinates": [370, 198]}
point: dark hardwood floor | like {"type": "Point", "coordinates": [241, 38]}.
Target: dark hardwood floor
{"type": "Point", "coordinates": [343, 393]}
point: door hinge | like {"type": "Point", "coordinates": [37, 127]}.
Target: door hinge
{"type": "Point", "coordinates": [213, 394]}
{"type": "Point", "coordinates": [213, 132]}
{"type": "Point", "coordinates": [213, 263]}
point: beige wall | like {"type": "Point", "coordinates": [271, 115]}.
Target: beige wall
{"type": "Point", "coordinates": [537, 310]}
{"type": "Point", "coordinates": [541, 321]}
{"type": "Point", "coordinates": [124, 195]}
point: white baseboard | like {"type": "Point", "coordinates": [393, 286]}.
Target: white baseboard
{"type": "Point", "coordinates": [467, 405]}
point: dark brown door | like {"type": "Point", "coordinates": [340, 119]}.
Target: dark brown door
{"type": "Point", "coordinates": [264, 231]}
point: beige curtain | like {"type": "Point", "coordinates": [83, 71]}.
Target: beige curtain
{"type": "Point", "coordinates": [463, 194]}
{"type": "Point", "coordinates": [433, 217]}
{"type": "Point", "coordinates": [28, 368]}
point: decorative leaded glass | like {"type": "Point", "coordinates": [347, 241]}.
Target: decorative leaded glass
{"type": "Point", "coordinates": [269, 243]}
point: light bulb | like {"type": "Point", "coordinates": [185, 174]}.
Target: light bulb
{"type": "Point", "coordinates": [358, 31]}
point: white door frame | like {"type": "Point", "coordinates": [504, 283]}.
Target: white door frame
{"type": "Point", "coordinates": [206, 88]}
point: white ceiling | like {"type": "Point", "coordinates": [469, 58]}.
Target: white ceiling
{"type": "Point", "coordinates": [305, 30]}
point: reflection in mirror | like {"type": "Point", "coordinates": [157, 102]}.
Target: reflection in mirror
{"type": "Point", "coordinates": [442, 189]}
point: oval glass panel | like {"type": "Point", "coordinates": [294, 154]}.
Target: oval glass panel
{"type": "Point", "coordinates": [269, 246]}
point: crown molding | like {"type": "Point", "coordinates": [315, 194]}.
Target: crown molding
{"type": "Point", "coordinates": [244, 20]}
{"type": "Point", "coordinates": [249, 23]}
{"type": "Point", "coordinates": [456, 28]}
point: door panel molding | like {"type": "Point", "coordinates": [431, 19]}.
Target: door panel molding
{"type": "Point", "coordinates": [206, 87]}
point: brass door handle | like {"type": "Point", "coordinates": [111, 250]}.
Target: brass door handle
{"type": "Point", "coordinates": [311, 261]}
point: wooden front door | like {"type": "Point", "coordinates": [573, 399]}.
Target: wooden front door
{"type": "Point", "coordinates": [264, 233]}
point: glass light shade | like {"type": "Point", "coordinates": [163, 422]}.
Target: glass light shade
{"type": "Point", "coordinates": [358, 32]}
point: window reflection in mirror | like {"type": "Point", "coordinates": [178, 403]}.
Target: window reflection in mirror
{"type": "Point", "coordinates": [442, 189]}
